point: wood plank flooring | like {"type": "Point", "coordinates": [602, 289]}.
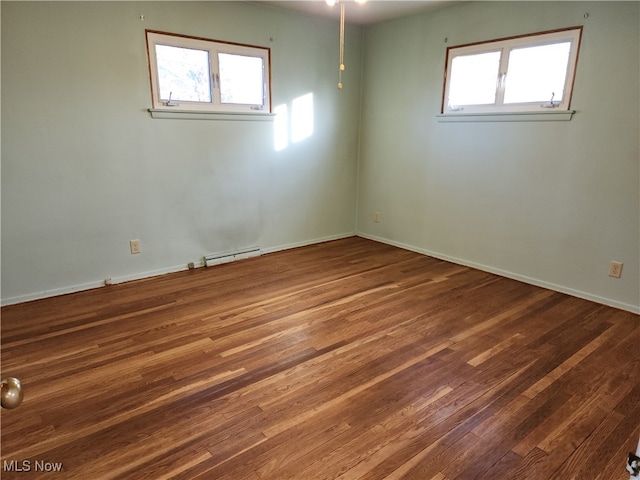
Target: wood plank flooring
{"type": "Point", "coordinates": [344, 360]}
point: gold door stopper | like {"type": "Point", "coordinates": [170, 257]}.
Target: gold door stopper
{"type": "Point", "coordinates": [11, 393]}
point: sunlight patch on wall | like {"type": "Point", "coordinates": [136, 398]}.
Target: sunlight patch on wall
{"type": "Point", "coordinates": [296, 126]}
{"type": "Point", "coordinates": [302, 118]}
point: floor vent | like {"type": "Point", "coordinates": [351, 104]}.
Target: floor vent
{"type": "Point", "coordinates": [218, 258]}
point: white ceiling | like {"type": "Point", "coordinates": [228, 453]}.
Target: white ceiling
{"type": "Point", "coordinates": [372, 11]}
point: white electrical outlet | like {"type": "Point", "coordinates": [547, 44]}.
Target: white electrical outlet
{"type": "Point", "coordinates": [376, 217]}
{"type": "Point", "coordinates": [134, 245]}
{"type": "Point", "coordinates": [615, 269]}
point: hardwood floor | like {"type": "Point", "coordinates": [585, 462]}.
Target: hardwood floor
{"type": "Point", "coordinates": [349, 359]}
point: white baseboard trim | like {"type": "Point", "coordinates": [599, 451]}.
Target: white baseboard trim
{"type": "Point", "coordinates": [288, 246]}
{"type": "Point", "coordinates": [90, 285]}
{"type": "Point", "coordinates": [152, 273]}
{"type": "Point", "coordinates": [305, 243]}
{"type": "Point", "coordinates": [50, 293]}
{"type": "Point", "coordinates": [504, 273]}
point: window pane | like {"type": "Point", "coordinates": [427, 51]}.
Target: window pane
{"type": "Point", "coordinates": [183, 73]}
{"type": "Point", "coordinates": [241, 79]}
{"type": "Point", "coordinates": [473, 79]}
{"type": "Point", "coordinates": [537, 73]}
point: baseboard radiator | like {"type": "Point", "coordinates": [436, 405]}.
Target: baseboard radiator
{"type": "Point", "coordinates": [218, 258]}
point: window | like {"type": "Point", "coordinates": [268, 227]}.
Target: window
{"type": "Point", "coordinates": [518, 74]}
{"type": "Point", "coordinates": [196, 74]}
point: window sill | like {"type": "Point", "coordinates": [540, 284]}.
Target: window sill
{"type": "Point", "coordinates": [193, 115]}
{"type": "Point", "coordinates": [564, 115]}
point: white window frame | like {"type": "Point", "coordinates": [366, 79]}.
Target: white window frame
{"type": "Point", "coordinates": [505, 45]}
{"type": "Point", "coordinates": [214, 47]}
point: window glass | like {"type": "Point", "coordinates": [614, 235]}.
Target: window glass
{"type": "Point", "coordinates": [537, 73]}
{"type": "Point", "coordinates": [183, 74]}
{"type": "Point", "coordinates": [241, 79]}
{"type": "Point", "coordinates": [473, 79]}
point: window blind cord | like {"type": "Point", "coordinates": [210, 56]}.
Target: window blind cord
{"type": "Point", "coordinates": [342, 5]}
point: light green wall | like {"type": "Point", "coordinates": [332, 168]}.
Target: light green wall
{"type": "Point", "coordinates": [550, 203]}
{"type": "Point", "coordinates": [85, 169]}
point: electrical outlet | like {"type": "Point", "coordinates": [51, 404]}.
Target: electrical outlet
{"type": "Point", "coordinates": [134, 245]}
{"type": "Point", "coordinates": [376, 217]}
{"type": "Point", "coordinates": [615, 269]}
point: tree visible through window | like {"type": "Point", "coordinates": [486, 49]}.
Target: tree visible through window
{"type": "Point", "coordinates": [197, 74]}
{"type": "Point", "coordinates": [183, 74]}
